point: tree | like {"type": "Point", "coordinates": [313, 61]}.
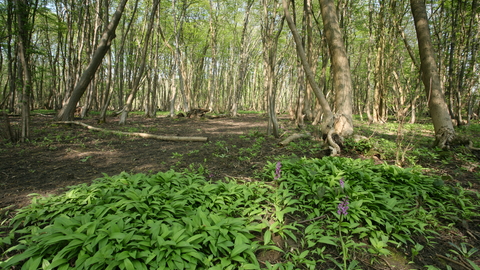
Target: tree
{"type": "Point", "coordinates": [242, 67]}
{"type": "Point", "coordinates": [23, 42]}
{"type": "Point", "coordinates": [342, 81]}
{"type": "Point", "coordinates": [328, 121]}
{"type": "Point", "coordinates": [68, 110]}
{"type": "Point", "coordinates": [442, 121]}
{"type": "Point", "coordinates": [270, 36]}
{"type": "Point", "coordinates": [136, 83]}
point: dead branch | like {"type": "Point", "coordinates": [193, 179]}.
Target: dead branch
{"type": "Point", "coordinates": [143, 135]}
{"type": "Point", "coordinates": [216, 116]}
{"type": "Point", "coordinates": [294, 137]}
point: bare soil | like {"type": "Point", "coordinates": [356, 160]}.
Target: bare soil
{"type": "Point", "coordinates": [61, 155]}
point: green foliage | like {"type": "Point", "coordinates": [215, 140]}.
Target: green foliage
{"type": "Point", "coordinates": [388, 204]}
{"type": "Point", "coordinates": [464, 252]}
{"type": "Point", "coordinates": [362, 146]}
{"type": "Point", "coordinates": [254, 150]}
{"type": "Point", "coordinates": [167, 220]}
{"type": "Point", "coordinates": [173, 220]}
{"type": "Point", "coordinates": [42, 111]}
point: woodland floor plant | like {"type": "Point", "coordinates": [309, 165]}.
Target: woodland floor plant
{"type": "Point", "coordinates": [168, 220]}
{"type": "Point", "coordinates": [387, 206]}
{"type": "Point", "coordinates": [336, 210]}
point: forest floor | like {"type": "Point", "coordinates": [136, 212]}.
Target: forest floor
{"type": "Point", "coordinates": [62, 155]}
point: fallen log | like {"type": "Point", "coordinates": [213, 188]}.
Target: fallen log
{"type": "Point", "coordinates": [143, 135]}
{"type": "Point", "coordinates": [294, 137]}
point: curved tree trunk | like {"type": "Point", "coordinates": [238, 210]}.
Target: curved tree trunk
{"type": "Point", "coordinates": [327, 125]}
{"type": "Point", "coordinates": [66, 113]}
{"type": "Point", "coordinates": [328, 120]}
{"type": "Point", "coordinates": [437, 106]}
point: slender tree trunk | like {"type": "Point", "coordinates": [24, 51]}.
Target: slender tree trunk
{"type": "Point", "coordinates": [66, 113]}
{"type": "Point", "coordinates": [270, 40]}
{"type": "Point", "coordinates": [309, 102]}
{"type": "Point", "coordinates": [442, 122]}
{"type": "Point", "coordinates": [242, 68]}
{"type": "Point", "coordinates": [23, 41]}
{"type": "Point", "coordinates": [11, 56]}
{"type": "Point", "coordinates": [328, 122]}
{"type": "Point", "coordinates": [108, 93]}
{"type": "Point", "coordinates": [172, 89]}
{"type": "Point", "coordinates": [136, 84]}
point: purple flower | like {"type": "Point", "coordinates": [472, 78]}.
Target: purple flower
{"type": "Point", "coordinates": [278, 170]}
{"type": "Point", "coordinates": [343, 207]}
{"type": "Point", "coordinates": [342, 183]}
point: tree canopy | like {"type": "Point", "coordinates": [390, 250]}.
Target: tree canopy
{"type": "Point", "coordinates": [211, 54]}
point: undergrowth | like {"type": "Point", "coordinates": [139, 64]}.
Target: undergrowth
{"type": "Point", "coordinates": [336, 210]}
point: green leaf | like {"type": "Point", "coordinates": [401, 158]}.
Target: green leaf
{"type": "Point", "coordinates": [128, 264]}
{"type": "Point", "coordinates": [118, 235]}
{"type": "Point", "coordinates": [304, 254]}
{"type": "Point", "coordinates": [17, 258]}
{"type": "Point", "coordinates": [238, 259]}
{"type": "Point", "coordinates": [57, 263]}
{"type": "Point", "coordinates": [267, 236]}
{"type": "Point", "coordinates": [122, 255]}
{"type": "Point", "coordinates": [32, 263]}
{"type": "Point", "coordinates": [239, 247]}
{"type": "Point", "coordinates": [327, 240]}
{"type": "Point", "coordinates": [473, 265]}
{"type": "Point", "coordinates": [194, 238]}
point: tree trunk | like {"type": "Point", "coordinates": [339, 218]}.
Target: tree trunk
{"type": "Point", "coordinates": [242, 68]}
{"type": "Point", "coordinates": [342, 82]}
{"type": "Point", "coordinates": [270, 41]}
{"type": "Point", "coordinates": [136, 84]}
{"type": "Point", "coordinates": [66, 113]}
{"type": "Point", "coordinates": [328, 121]}
{"type": "Point", "coordinates": [23, 41]}
{"type": "Point", "coordinates": [442, 122]}
{"type": "Point", "coordinates": [11, 56]}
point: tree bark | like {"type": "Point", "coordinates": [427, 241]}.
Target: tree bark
{"type": "Point", "coordinates": [23, 42]}
{"type": "Point", "coordinates": [242, 68]}
{"type": "Point", "coordinates": [136, 84]}
{"type": "Point", "coordinates": [294, 137]}
{"type": "Point", "coordinates": [442, 122]}
{"type": "Point", "coordinates": [270, 38]}
{"type": "Point", "coordinates": [328, 122]}
{"type": "Point", "coordinates": [342, 82]}
{"type": "Point", "coordinates": [68, 110]}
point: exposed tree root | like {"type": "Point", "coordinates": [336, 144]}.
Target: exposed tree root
{"type": "Point", "coordinates": [143, 135]}
{"type": "Point", "coordinates": [333, 145]}
{"type": "Point", "coordinates": [443, 137]}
